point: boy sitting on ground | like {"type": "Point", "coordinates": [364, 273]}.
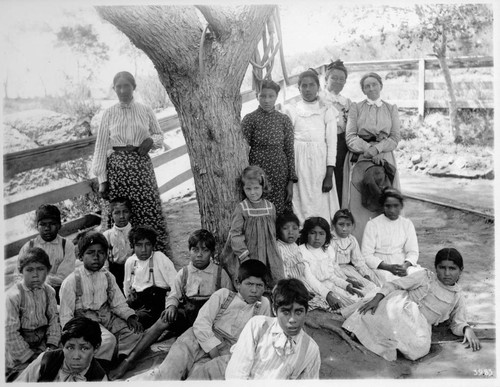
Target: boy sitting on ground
{"type": "Point", "coordinates": [91, 291]}
{"type": "Point", "coordinates": [32, 320]}
{"type": "Point", "coordinates": [193, 286]}
{"type": "Point", "coordinates": [218, 324]}
{"type": "Point", "coordinates": [61, 252]}
{"type": "Point", "coordinates": [75, 362]}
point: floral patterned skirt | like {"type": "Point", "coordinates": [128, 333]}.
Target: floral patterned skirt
{"type": "Point", "coordinates": [131, 175]}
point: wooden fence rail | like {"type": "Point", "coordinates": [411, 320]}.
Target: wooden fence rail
{"type": "Point", "coordinates": [51, 155]}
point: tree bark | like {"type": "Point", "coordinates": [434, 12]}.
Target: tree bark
{"type": "Point", "coordinates": [208, 103]}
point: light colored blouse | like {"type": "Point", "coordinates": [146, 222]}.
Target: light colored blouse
{"type": "Point", "coordinates": [382, 122]}
{"type": "Point", "coordinates": [342, 104]}
{"type": "Point", "coordinates": [347, 251]}
{"type": "Point", "coordinates": [389, 241]}
{"type": "Point", "coordinates": [315, 122]}
{"type": "Point", "coordinates": [122, 125]}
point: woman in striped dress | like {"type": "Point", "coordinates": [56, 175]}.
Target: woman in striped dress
{"type": "Point", "coordinates": [128, 131]}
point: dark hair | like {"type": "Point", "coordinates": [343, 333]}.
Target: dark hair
{"type": "Point", "coordinates": [89, 238]}
{"type": "Point", "coordinates": [343, 214]}
{"type": "Point", "coordinates": [82, 327]}
{"type": "Point", "coordinates": [290, 290]}
{"type": "Point", "coordinates": [34, 255]}
{"type": "Point", "coordinates": [254, 172]}
{"type": "Point", "coordinates": [268, 84]}
{"type": "Point", "coordinates": [142, 232]}
{"type": "Point", "coordinates": [389, 192]}
{"type": "Point", "coordinates": [308, 73]}
{"type": "Point", "coordinates": [127, 76]}
{"type": "Point", "coordinates": [252, 268]}
{"type": "Point", "coordinates": [48, 211]}
{"type": "Point", "coordinates": [312, 222]}
{"type": "Point", "coordinates": [204, 236]}
{"type": "Point", "coordinates": [120, 200]}
{"type": "Point", "coordinates": [370, 75]}
{"type": "Point", "coordinates": [285, 218]}
{"type": "Point", "coordinates": [449, 254]}
{"type": "Point", "coordinates": [337, 65]}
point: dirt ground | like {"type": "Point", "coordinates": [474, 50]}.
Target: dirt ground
{"type": "Point", "coordinates": [436, 228]}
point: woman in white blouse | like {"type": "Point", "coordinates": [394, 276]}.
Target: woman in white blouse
{"type": "Point", "coordinates": [390, 245]}
{"type": "Point", "coordinates": [128, 131]}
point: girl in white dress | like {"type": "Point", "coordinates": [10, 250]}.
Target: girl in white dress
{"type": "Point", "coordinates": [390, 245]}
{"type": "Point", "coordinates": [317, 252]}
{"type": "Point", "coordinates": [315, 145]}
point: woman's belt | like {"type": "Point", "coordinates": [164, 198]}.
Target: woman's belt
{"type": "Point", "coordinates": [128, 148]}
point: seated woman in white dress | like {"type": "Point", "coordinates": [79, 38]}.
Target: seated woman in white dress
{"type": "Point", "coordinates": [401, 315]}
{"type": "Point", "coordinates": [390, 245]}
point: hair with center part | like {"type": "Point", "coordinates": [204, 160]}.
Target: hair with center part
{"type": "Point", "coordinates": [449, 254]}
{"type": "Point", "coordinates": [142, 232]}
{"type": "Point", "coordinates": [203, 236]}
{"type": "Point", "coordinates": [337, 65]}
{"type": "Point", "coordinates": [343, 214]}
{"type": "Point", "coordinates": [89, 238]}
{"type": "Point", "coordinates": [290, 290]}
{"type": "Point", "coordinates": [48, 211]}
{"type": "Point", "coordinates": [308, 73]}
{"type": "Point", "coordinates": [312, 222]}
{"type": "Point", "coordinates": [268, 84]}
{"type": "Point", "coordinates": [254, 173]}
{"type": "Point", "coordinates": [252, 268]}
{"type": "Point", "coordinates": [120, 200]}
{"type": "Point", "coordinates": [125, 75]}
{"type": "Point", "coordinates": [390, 192]}
{"type": "Point", "coordinates": [370, 75]}
{"type": "Point", "coordinates": [82, 327]}
{"type": "Point", "coordinates": [33, 255]}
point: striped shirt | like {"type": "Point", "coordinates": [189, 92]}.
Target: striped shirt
{"type": "Point", "coordinates": [231, 322]}
{"type": "Point", "coordinates": [94, 288]}
{"type": "Point", "coordinates": [34, 315]}
{"type": "Point", "coordinates": [163, 272]}
{"type": "Point", "coordinates": [347, 251]}
{"type": "Point", "coordinates": [62, 264]}
{"type": "Point", "coordinates": [124, 125]}
{"type": "Point", "coordinates": [258, 354]}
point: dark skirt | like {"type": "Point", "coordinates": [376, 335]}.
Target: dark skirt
{"type": "Point", "coordinates": [131, 175]}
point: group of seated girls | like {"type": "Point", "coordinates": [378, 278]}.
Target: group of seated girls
{"type": "Point", "coordinates": [223, 319]}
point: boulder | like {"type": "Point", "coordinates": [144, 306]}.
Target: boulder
{"type": "Point", "coordinates": [416, 159]}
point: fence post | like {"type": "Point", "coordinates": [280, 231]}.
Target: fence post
{"type": "Point", "coordinates": [421, 88]}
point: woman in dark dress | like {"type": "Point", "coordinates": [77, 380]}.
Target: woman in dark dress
{"type": "Point", "coordinates": [270, 136]}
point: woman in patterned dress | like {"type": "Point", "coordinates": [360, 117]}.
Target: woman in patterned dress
{"type": "Point", "coordinates": [270, 136]}
{"type": "Point", "coordinates": [128, 131]}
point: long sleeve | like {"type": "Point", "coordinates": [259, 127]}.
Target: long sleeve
{"type": "Point", "coordinates": [243, 352]}
{"type": "Point", "coordinates": [408, 282]}
{"type": "Point", "coordinates": [202, 327]}
{"type": "Point", "coordinates": [312, 369]}
{"type": "Point", "coordinates": [368, 246]}
{"type": "Point", "coordinates": [458, 317]}
{"type": "Point", "coordinates": [357, 259]}
{"type": "Point", "coordinates": [313, 282]}
{"type": "Point", "coordinates": [126, 278]}
{"type": "Point", "coordinates": [17, 347]}
{"type": "Point", "coordinates": [411, 245]}
{"type": "Point", "coordinates": [331, 116]}
{"type": "Point", "coordinates": [119, 305]}
{"type": "Point", "coordinates": [155, 130]}
{"type": "Point", "coordinates": [167, 268]}
{"type": "Point", "coordinates": [237, 234]}
{"type": "Point", "coordinates": [391, 142]}
{"type": "Point", "coordinates": [67, 265]}
{"type": "Point", "coordinates": [289, 149]}
{"type": "Point", "coordinates": [54, 328]}
{"type": "Point", "coordinates": [247, 128]}
{"type": "Point", "coordinates": [355, 143]}
{"type": "Point", "coordinates": [67, 295]}
{"type": "Point", "coordinates": [31, 373]}
{"type": "Point", "coordinates": [102, 146]}
{"type": "Point", "coordinates": [174, 298]}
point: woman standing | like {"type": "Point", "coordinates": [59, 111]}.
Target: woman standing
{"type": "Point", "coordinates": [128, 131]}
{"type": "Point", "coordinates": [336, 76]}
{"type": "Point", "coordinates": [270, 136]}
{"type": "Point", "coordinates": [372, 134]}
{"type": "Point", "coordinates": [315, 135]}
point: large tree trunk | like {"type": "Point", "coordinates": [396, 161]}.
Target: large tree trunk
{"type": "Point", "coordinates": [208, 102]}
